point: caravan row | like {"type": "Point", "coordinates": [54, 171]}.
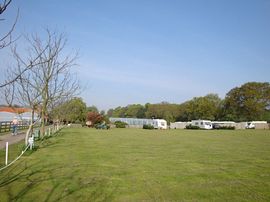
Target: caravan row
{"type": "Point", "coordinates": [207, 124]}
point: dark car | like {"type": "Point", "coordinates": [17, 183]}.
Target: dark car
{"type": "Point", "coordinates": [216, 126]}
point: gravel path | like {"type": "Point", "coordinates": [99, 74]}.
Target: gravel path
{"type": "Point", "coordinates": [11, 139]}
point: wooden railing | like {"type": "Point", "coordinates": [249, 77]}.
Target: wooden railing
{"type": "Point", "coordinates": [6, 126]}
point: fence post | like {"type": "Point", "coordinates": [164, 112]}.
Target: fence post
{"type": "Point", "coordinates": [31, 142]}
{"type": "Point", "coordinates": [49, 131]}
{"type": "Point", "coordinates": [6, 153]}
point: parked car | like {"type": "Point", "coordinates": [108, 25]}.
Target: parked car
{"type": "Point", "coordinates": [102, 126]}
{"type": "Point", "coordinates": [250, 125]}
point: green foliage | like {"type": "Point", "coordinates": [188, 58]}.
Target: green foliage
{"type": "Point", "coordinates": [164, 110]}
{"type": "Point", "coordinates": [110, 113]}
{"type": "Point", "coordinates": [119, 112]}
{"type": "Point", "coordinates": [247, 102]}
{"type": "Point", "coordinates": [192, 127]}
{"type": "Point", "coordinates": [77, 122]}
{"type": "Point", "coordinates": [135, 111]}
{"type": "Point", "coordinates": [251, 101]}
{"type": "Point", "coordinates": [120, 124]}
{"type": "Point", "coordinates": [92, 109]}
{"type": "Point", "coordinates": [149, 127]}
{"type": "Point", "coordinates": [130, 111]}
{"type": "Point", "coordinates": [200, 108]}
{"type": "Point", "coordinates": [73, 110]}
{"type": "Point", "coordinates": [266, 116]}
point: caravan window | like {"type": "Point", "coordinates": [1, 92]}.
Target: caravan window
{"type": "Point", "coordinates": [196, 123]}
{"type": "Point", "coordinates": [201, 123]}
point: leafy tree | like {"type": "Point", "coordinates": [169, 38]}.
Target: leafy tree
{"type": "Point", "coordinates": [72, 111]}
{"type": "Point", "coordinates": [134, 111]}
{"type": "Point", "coordinates": [166, 111]}
{"type": "Point", "coordinates": [92, 109]}
{"type": "Point", "coordinates": [206, 107]}
{"type": "Point", "coordinates": [110, 113]}
{"type": "Point", "coordinates": [251, 101]}
{"type": "Point", "coordinates": [119, 112]}
{"type": "Point", "coordinates": [183, 114]}
{"type": "Point", "coordinates": [266, 116]}
{"type": "Point", "coordinates": [247, 102]}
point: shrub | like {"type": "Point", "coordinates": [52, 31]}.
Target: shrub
{"type": "Point", "coordinates": [227, 127]}
{"type": "Point", "coordinates": [94, 118]}
{"type": "Point", "coordinates": [150, 127]}
{"type": "Point", "coordinates": [192, 127]}
{"type": "Point", "coordinates": [120, 124]}
{"type": "Point", "coordinates": [78, 122]}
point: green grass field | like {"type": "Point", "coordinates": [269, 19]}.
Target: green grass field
{"type": "Point", "coordinates": [143, 165]}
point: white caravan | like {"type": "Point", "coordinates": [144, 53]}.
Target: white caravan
{"type": "Point", "coordinates": [160, 124]}
{"type": "Point", "coordinates": [179, 125]}
{"type": "Point", "coordinates": [204, 124]}
{"type": "Point", "coordinates": [218, 124]}
{"type": "Point", "coordinates": [253, 124]}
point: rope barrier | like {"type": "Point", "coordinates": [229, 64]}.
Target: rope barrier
{"type": "Point", "coordinates": [15, 159]}
{"type": "Point", "coordinates": [58, 129]}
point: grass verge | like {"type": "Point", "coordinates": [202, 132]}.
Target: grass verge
{"type": "Point", "coordinates": [143, 165]}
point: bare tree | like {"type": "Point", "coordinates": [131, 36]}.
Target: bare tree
{"type": "Point", "coordinates": [27, 65]}
{"type": "Point", "coordinates": [29, 95]}
{"type": "Point", "coordinates": [8, 91]}
{"type": "Point", "coordinates": [49, 79]}
{"type": "Point", "coordinates": [4, 6]}
{"type": "Point", "coordinates": [6, 38]}
{"type": "Point", "coordinates": [23, 92]}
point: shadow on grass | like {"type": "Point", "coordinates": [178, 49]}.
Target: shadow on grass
{"type": "Point", "coordinates": [20, 181]}
{"type": "Point", "coordinates": [10, 176]}
{"type": "Point", "coordinates": [36, 182]}
{"type": "Point", "coordinates": [47, 141]}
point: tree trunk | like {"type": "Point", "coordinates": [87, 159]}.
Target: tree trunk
{"type": "Point", "coordinates": [30, 129]}
{"type": "Point", "coordinates": [44, 109]}
{"type": "Point", "coordinates": [43, 122]}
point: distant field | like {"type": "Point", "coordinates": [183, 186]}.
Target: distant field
{"type": "Point", "coordinates": [143, 165]}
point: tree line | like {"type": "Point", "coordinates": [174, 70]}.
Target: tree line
{"type": "Point", "coordinates": [251, 101]}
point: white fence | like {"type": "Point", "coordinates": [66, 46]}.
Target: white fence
{"type": "Point", "coordinates": [50, 130]}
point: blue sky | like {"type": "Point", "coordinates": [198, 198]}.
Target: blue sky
{"type": "Point", "coordinates": [139, 51]}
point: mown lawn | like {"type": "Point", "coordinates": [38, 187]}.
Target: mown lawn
{"type": "Point", "coordinates": [143, 165]}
